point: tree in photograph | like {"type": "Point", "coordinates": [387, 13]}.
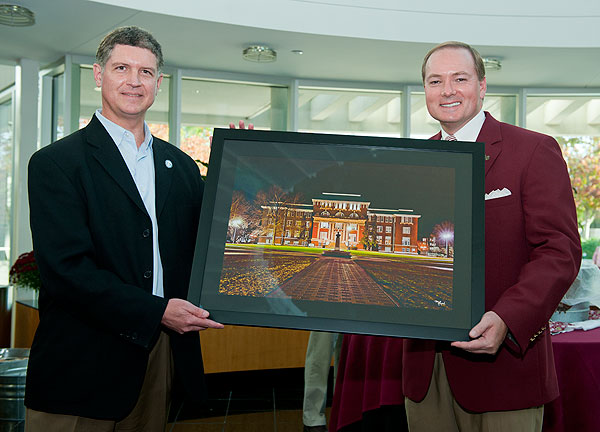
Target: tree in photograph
{"type": "Point", "coordinates": [444, 235]}
{"type": "Point", "coordinates": [290, 201]}
{"type": "Point", "coordinates": [305, 234]}
{"type": "Point", "coordinates": [275, 204]}
{"type": "Point", "coordinates": [582, 155]}
{"type": "Point", "coordinates": [240, 217]}
{"type": "Point", "coordinates": [369, 238]}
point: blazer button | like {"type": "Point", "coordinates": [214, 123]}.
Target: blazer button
{"type": "Point", "coordinates": [148, 274]}
{"type": "Point", "coordinates": [146, 233]}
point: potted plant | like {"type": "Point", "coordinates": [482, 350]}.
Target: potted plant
{"type": "Point", "coordinates": [24, 273]}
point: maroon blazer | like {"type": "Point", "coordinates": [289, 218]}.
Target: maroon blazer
{"type": "Point", "coordinates": [532, 255]}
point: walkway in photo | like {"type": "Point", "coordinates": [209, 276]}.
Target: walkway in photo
{"type": "Point", "coordinates": [334, 280]}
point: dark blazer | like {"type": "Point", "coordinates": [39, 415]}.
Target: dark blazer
{"type": "Point", "coordinates": [92, 239]}
{"type": "Point", "coordinates": [532, 255]}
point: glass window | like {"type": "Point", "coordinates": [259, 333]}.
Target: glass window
{"type": "Point", "coordinates": [58, 106]}
{"type": "Point", "coordinates": [208, 104]}
{"type": "Point", "coordinates": [422, 125]}
{"type": "Point", "coordinates": [6, 168]}
{"type": "Point", "coordinates": [7, 76]}
{"type": "Point", "coordinates": [574, 120]}
{"type": "Point", "coordinates": [356, 112]}
{"type": "Point", "coordinates": [406, 230]}
{"type": "Point", "coordinates": [157, 116]}
{"type": "Point", "coordinates": [564, 115]}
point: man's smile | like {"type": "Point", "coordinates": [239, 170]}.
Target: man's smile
{"type": "Point", "coordinates": [450, 105]}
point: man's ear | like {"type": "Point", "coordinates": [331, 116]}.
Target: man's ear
{"type": "Point", "coordinates": [482, 88]}
{"type": "Point", "coordinates": [98, 74]}
{"type": "Point", "coordinates": [158, 83]}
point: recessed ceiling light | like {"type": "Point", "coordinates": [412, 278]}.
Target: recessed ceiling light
{"type": "Point", "coordinates": [492, 64]}
{"type": "Point", "coordinates": [259, 54]}
{"type": "Point", "coordinates": [16, 16]}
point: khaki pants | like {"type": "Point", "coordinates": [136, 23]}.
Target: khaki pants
{"type": "Point", "coordinates": [321, 347]}
{"type": "Point", "coordinates": [440, 412]}
{"type": "Point", "coordinates": [149, 414]}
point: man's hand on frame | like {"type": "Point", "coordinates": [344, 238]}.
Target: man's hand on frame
{"type": "Point", "coordinates": [182, 317]}
{"type": "Point", "coordinates": [487, 335]}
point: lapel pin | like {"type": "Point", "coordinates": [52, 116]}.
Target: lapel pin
{"type": "Point", "coordinates": [487, 157]}
{"type": "Point", "coordinates": [168, 164]}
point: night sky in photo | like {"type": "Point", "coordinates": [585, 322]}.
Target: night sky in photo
{"type": "Point", "coordinates": [386, 184]}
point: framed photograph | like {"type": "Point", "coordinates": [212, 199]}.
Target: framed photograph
{"type": "Point", "coordinates": [355, 234]}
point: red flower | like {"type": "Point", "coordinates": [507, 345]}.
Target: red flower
{"type": "Point", "coordinates": [24, 272]}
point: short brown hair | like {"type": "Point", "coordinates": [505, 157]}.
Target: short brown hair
{"type": "Point", "coordinates": [479, 67]}
{"type": "Point", "coordinates": [132, 36]}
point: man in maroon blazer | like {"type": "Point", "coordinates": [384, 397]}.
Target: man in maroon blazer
{"type": "Point", "coordinates": [502, 377]}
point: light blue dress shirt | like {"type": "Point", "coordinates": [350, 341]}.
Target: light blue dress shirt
{"type": "Point", "coordinates": [140, 162]}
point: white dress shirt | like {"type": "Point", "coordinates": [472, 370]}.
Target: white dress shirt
{"type": "Point", "coordinates": [470, 131]}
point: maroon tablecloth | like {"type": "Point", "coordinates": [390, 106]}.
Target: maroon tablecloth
{"type": "Point", "coordinates": [577, 360]}
{"type": "Point", "coordinates": [370, 376]}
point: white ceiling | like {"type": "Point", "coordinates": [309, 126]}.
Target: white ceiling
{"type": "Point", "coordinates": [541, 43]}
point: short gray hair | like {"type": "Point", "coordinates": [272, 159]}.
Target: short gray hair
{"type": "Point", "coordinates": [132, 36]}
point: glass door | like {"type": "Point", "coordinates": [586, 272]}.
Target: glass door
{"type": "Point", "coordinates": [6, 175]}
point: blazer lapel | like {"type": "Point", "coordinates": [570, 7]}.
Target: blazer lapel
{"type": "Point", "coordinates": [164, 166]}
{"type": "Point", "coordinates": [491, 135]}
{"type": "Point", "coordinates": [107, 154]}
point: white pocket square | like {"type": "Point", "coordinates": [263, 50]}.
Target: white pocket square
{"type": "Point", "coordinates": [498, 193]}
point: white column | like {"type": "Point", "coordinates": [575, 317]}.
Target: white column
{"type": "Point", "coordinates": [175, 108]}
{"type": "Point", "coordinates": [26, 125]}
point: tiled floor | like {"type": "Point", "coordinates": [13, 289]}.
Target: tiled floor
{"type": "Point", "coordinates": [260, 401]}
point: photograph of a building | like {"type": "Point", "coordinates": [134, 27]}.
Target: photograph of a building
{"type": "Point", "coordinates": [347, 216]}
{"type": "Point", "coordinates": [338, 248]}
{"type": "Point", "coordinates": [353, 226]}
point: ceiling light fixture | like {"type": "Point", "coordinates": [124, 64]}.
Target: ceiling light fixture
{"type": "Point", "coordinates": [259, 54]}
{"type": "Point", "coordinates": [492, 64]}
{"type": "Point", "coordinates": [16, 16]}
{"type": "Point", "coordinates": [297, 51]}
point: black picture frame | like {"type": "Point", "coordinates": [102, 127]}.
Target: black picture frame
{"type": "Point", "coordinates": [251, 283]}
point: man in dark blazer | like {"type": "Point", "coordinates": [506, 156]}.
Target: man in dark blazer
{"type": "Point", "coordinates": [114, 216]}
{"type": "Point", "coordinates": [502, 377]}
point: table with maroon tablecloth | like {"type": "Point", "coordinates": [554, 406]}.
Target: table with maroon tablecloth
{"type": "Point", "coordinates": [577, 360]}
{"type": "Point", "coordinates": [370, 377]}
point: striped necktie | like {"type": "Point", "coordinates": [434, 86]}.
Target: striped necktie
{"type": "Point", "coordinates": [450, 138]}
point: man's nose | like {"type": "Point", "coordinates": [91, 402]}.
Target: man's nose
{"type": "Point", "coordinates": [133, 78]}
{"type": "Point", "coordinates": [448, 89]}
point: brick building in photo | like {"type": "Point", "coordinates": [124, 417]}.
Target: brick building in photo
{"type": "Point", "coordinates": [348, 216]}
